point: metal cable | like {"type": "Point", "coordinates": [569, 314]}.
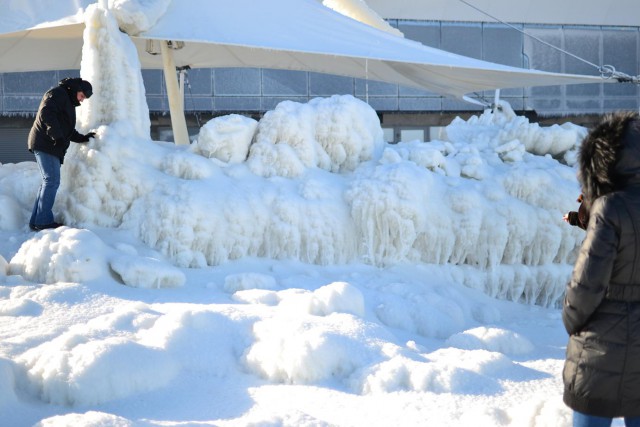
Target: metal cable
{"type": "Point", "coordinates": [606, 71]}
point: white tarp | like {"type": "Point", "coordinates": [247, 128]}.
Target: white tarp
{"type": "Point", "coordinates": [282, 34]}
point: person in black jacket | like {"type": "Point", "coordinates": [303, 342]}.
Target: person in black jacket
{"type": "Point", "coordinates": [49, 138]}
{"type": "Point", "coordinates": [601, 309]}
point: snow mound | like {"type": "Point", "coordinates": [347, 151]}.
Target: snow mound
{"type": "Point", "coordinates": [145, 272]}
{"type": "Point", "coordinates": [97, 362]}
{"type": "Point", "coordinates": [403, 307]}
{"type": "Point", "coordinates": [61, 255]}
{"type": "Point", "coordinates": [337, 297]}
{"type": "Point", "coordinates": [202, 340]}
{"type": "Point", "coordinates": [309, 350]}
{"type": "Point", "coordinates": [491, 339]}
{"type": "Point", "coordinates": [405, 374]}
{"type": "Point", "coordinates": [443, 371]}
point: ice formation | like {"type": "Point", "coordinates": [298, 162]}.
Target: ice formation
{"type": "Point", "coordinates": [315, 182]}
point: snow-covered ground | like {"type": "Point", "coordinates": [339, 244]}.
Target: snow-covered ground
{"type": "Point", "coordinates": [292, 271]}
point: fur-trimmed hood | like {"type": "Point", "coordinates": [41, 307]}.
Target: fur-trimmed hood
{"type": "Point", "coordinates": [609, 157]}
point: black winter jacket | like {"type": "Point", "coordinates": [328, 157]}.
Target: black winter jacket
{"type": "Point", "coordinates": [601, 309]}
{"type": "Point", "coordinates": [55, 123]}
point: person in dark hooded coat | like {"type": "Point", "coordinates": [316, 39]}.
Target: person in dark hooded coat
{"type": "Point", "coordinates": [601, 309]}
{"type": "Point", "coordinates": [49, 138]}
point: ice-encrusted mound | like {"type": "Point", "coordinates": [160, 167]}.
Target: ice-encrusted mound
{"type": "Point", "coordinates": [208, 222]}
{"type": "Point", "coordinates": [100, 180]}
{"type": "Point", "coordinates": [414, 211]}
{"type": "Point", "coordinates": [491, 204]}
{"type": "Point", "coordinates": [61, 255]}
{"type": "Point", "coordinates": [319, 185]}
{"type": "Point", "coordinates": [335, 134]}
{"type": "Point", "coordinates": [226, 138]}
{"type": "Point", "coordinates": [503, 130]}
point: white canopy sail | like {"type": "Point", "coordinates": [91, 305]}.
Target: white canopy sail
{"type": "Point", "coordinates": [281, 34]}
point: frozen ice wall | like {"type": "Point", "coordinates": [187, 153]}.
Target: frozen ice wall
{"type": "Point", "coordinates": [315, 182]}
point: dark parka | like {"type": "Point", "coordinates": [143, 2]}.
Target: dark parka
{"type": "Point", "coordinates": [55, 122]}
{"type": "Point", "coordinates": [601, 309]}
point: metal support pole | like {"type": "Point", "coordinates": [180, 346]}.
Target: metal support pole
{"type": "Point", "coordinates": [176, 105]}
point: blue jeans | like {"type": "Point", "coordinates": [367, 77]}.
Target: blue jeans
{"type": "Point", "coordinates": [49, 166]}
{"type": "Point", "coordinates": [584, 420]}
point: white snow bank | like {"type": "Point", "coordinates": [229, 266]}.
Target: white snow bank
{"type": "Point", "coordinates": [134, 348]}
{"type": "Point", "coordinates": [314, 336]}
{"type": "Point", "coordinates": [205, 340]}
{"type": "Point", "coordinates": [337, 297]}
{"type": "Point", "coordinates": [98, 361]}
{"type": "Point", "coordinates": [61, 255]}
{"type": "Point", "coordinates": [292, 350]}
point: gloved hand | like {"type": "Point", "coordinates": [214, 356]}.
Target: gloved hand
{"type": "Point", "coordinates": [85, 138]}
